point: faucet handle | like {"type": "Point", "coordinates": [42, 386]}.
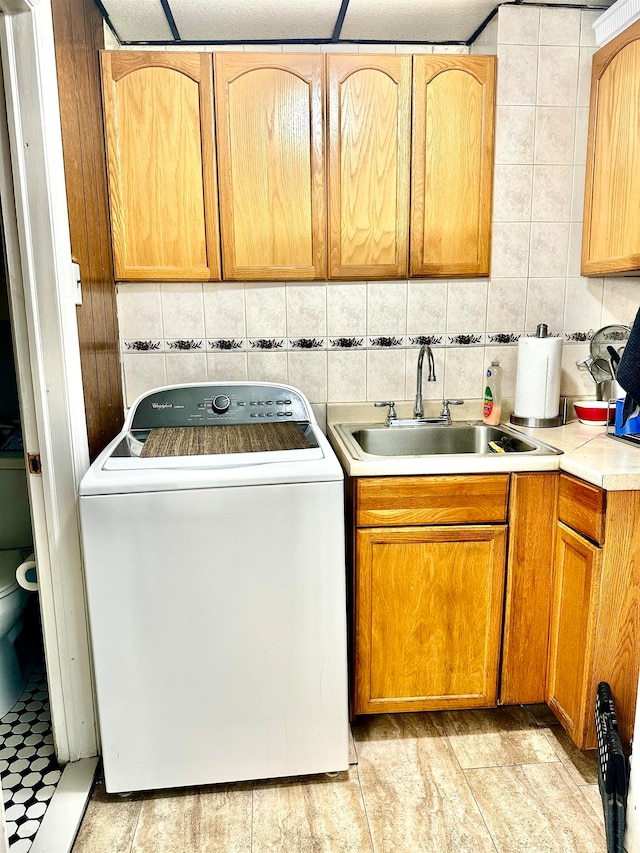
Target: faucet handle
{"type": "Point", "coordinates": [445, 413]}
{"type": "Point", "coordinates": [391, 414]}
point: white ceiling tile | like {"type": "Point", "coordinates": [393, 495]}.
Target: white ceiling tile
{"type": "Point", "coordinates": [249, 20]}
{"type": "Point", "coordinates": [391, 21]}
{"type": "Point", "coordinates": [143, 20]}
{"type": "Point", "coordinates": [415, 20]}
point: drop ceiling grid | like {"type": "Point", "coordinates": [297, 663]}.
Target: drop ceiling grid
{"type": "Point", "coordinates": [189, 22]}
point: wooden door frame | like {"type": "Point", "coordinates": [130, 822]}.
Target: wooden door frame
{"type": "Point", "coordinates": [41, 296]}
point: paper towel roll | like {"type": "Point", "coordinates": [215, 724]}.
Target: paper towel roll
{"type": "Point", "coordinates": [538, 378]}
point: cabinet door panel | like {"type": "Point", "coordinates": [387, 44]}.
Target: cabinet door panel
{"type": "Point", "coordinates": [452, 165]}
{"type": "Point", "coordinates": [158, 110]}
{"type": "Point", "coordinates": [429, 611]}
{"type": "Point", "coordinates": [573, 621]}
{"type": "Point", "coordinates": [369, 107]}
{"type": "Point", "coordinates": [611, 235]}
{"type": "Point", "coordinates": [271, 162]}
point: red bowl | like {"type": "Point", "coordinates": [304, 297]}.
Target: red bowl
{"type": "Point", "coordinates": [594, 412]}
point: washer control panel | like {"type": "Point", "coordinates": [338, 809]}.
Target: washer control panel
{"type": "Point", "coordinates": [219, 403]}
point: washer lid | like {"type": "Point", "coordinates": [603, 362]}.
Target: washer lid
{"type": "Point", "coordinates": [223, 446]}
{"type": "Point", "coordinates": [111, 474]}
{"type": "Point", "coordinates": [122, 467]}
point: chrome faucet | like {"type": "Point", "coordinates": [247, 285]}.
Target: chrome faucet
{"type": "Point", "coordinates": [418, 410]}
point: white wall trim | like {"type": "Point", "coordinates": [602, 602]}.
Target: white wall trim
{"type": "Point", "coordinates": [616, 19]}
{"type": "Point", "coordinates": [42, 299]}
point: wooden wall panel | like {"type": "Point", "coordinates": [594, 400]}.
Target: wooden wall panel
{"type": "Point", "coordinates": [532, 528]}
{"type": "Point", "coordinates": [78, 34]}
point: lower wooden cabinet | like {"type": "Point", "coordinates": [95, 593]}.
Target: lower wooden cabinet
{"type": "Point", "coordinates": [444, 617]}
{"type": "Point", "coordinates": [429, 617]}
{"type": "Point", "coordinates": [573, 626]}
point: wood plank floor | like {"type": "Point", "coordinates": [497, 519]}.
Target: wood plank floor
{"type": "Point", "coordinates": [499, 781]}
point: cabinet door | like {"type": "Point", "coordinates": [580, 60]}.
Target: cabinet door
{"type": "Point", "coordinates": [611, 234]}
{"type": "Point", "coordinates": [158, 115]}
{"type": "Point", "coordinates": [369, 109]}
{"type": "Point", "coordinates": [452, 165]}
{"type": "Point", "coordinates": [573, 623]}
{"type": "Point", "coordinates": [428, 617]}
{"type": "Point", "coordinates": [271, 165]}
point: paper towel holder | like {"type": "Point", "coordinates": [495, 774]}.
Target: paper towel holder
{"type": "Point", "coordinates": [559, 420]}
{"type": "Point", "coordinates": [542, 331]}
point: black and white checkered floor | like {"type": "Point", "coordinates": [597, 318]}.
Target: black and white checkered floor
{"type": "Point", "coordinates": [28, 763]}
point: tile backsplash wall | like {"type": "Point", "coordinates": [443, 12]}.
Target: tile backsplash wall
{"type": "Point", "coordinates": [358, 341]}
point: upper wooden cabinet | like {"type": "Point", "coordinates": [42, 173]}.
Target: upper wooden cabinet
{"type": "Point", "coordinates": [158, 111]}
{"type": "Point", "coordinates": [611, 235]}
{"type": "Point", "coordinates": [369, 135]}
{"type": "Point", "coordinates": [269, 115]}
{"type": "Point", "coordinates": [452, 165]}
{"type": "Point", "coordinates": [385, 156]}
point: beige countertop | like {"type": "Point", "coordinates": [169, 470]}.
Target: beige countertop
{"type": "Point", "coordinates": [587, 452]}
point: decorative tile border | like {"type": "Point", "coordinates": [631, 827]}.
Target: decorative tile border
{"type": "Point", "coordinates": [466, 340]}
{"type": "Point", "coordinates": [227, 344]}
{"type": "Point", "coordinates": [347, 343]}
{"type": "Point", "coordinates": [385, 342]}
{"type": "Point", "coordinates": [363, 342]}
{"type": "Point", "coordinates": [267, 343]}
{"type": "Point", "coordinates": [503, 337]}
{"type": "Point", "coordinates": [428, 340]}
{"type": "Point", "coordinates": [307, 343]}
{"type": "Point", "coordinates": [181, 345]}
{"type": "Point", "coordinates": [143, 346]}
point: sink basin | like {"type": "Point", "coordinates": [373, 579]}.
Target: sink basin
{"type": "Point", "coordinates": [437, 440]}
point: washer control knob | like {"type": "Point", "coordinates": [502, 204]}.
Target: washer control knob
{"type": "Point", "coordinates": [220, 404]}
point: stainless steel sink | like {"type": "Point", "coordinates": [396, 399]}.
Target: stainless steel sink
{"type": "Point", "coordinates": [437, 440]}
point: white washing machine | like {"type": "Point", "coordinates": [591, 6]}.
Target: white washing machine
{"type": "Point", "coordinates": [213, 539]}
